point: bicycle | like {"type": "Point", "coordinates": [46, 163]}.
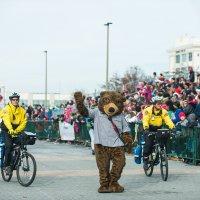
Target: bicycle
{"type": "Point", "coordinates": [22, 161]}
{"type": "Point", "coordinates": [158, 154]}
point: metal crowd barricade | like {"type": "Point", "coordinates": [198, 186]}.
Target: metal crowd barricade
{"type": "Point", "coordinates": [182, 146]}
{"type": "Point", "coordinates": [82, 136]}
{"type": "Point", "coordinates": [197, 145]}
{"type": "Point", "coordinates": [185, 145]}
{"type": "Point", "coordinates": [50, 130]}
{"type": "Point", "coordinates": [44, 129]}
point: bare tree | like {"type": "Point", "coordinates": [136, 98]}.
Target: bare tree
{"type": "Point", "coordinates": [115, 83]}
{"type": "Point", "coordinates": [128, 81]}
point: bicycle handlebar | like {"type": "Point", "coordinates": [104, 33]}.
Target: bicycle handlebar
{"type": "Point", "coordinates": [161, 132]}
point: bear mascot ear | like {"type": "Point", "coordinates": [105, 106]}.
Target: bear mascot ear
{"type": "Point", "coordinates": [103, 93]}
{"type": "Point", "coordinates": [79, 99]}
{"type": "Point", "coordinates": [123, 97]}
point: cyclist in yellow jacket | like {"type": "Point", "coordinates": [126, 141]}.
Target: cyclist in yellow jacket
{"type": "Point", "coordinates": [13, 123]}
{"type": "Point", "coordinates": [154, 117]}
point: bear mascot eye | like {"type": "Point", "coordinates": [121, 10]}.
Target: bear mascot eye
{"type": "Point", "coordinates": [106, 100]}
{"type": "Point", "coordinates": [118, 101]}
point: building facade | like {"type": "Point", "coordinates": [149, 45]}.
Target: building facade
{"type": "Point", "coordinates": [53, 99]}
{"type": "Point", "coordinates": [186, 53]}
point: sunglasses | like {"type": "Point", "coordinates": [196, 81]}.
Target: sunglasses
{"type": "Point", "coordinates": [15, 99]}
{"type": "Point", "coordinates": [158, 103]}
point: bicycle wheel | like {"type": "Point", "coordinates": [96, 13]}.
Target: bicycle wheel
{"type": "Point", "coordinates": [163, 165]}
{"type": "Point", "coordinates": [26, 169]}
{"type": "Point", "coordinates": [149, 171]}
{"type": "Point", "coordinates": [6, 177]}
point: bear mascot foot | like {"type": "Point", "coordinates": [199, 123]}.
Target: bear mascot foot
{"type": "Point", "coordinates": [116, 187]}
{"type": "Point", "coordinates": [104, 189]}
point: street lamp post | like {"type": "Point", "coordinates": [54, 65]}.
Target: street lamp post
{"type": "Point", "coordinates": [45, 78]}
{"type": "Point", "coordinates": [107, 54]}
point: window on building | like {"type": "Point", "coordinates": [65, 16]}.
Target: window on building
{"type": "Point", "coordinates": [59, 102]}
{"type": "Point", "coordinates": [190, 56]}
{"type": "Point", "coordinates": [183, 57]}
{"type": "Point", "coordinates": [177, 58]}
{"type": "Point", "coordinates": [41, 102]}
{"type": "Point", "coordinates": [23, 101]}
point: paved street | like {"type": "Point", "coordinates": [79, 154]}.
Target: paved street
{"type": "Point", "coordinates": [69, 172]}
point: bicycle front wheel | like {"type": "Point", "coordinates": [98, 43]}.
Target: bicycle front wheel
{"type": "Point", "coordinates": [26, 169]}
{"type": "Point", "coordinates": [163, 164]}
{"type": "Point", "coordinates": [149, 170]}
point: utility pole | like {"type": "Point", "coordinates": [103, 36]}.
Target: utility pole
{"type": "Point", "coordinates": [107, 54]}
{"type": "Point", "coordinates": [45, 78]}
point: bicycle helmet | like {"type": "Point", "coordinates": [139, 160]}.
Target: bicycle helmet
{"type": "Point", "coordinates": [157, 99]}
{"type": "Point", "coordinates": [14, 95]}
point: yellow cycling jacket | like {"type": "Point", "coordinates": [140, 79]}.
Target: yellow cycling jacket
{"type": "Point", "coordinates": [14, 118]}
{"type": "Point", "coordinates": [156, 118]}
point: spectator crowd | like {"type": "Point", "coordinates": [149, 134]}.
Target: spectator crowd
{"type": "Point", "coordinates": [181, 98]}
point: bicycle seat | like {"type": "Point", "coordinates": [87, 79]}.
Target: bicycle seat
{"type": "Point", "coordinates": [16, 146]}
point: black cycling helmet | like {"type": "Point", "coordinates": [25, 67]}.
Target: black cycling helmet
{"type": "Point", "coordinates": [157, 99]}
{"type": "Point", "coordinates": [14, 95]}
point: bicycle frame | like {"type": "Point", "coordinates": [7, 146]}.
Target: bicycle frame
{"type": "Point", "coordinates": [17, 153]}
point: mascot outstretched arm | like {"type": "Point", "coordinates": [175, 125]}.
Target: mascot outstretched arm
{"type": "Point", "coordinates": [79, 99]}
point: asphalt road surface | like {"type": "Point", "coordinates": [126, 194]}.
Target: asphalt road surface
{"type": "Point", "coordinates": [69, 172]}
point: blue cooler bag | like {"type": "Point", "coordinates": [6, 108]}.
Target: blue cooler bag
{"type": "Point", "coordinates": [138, 154]}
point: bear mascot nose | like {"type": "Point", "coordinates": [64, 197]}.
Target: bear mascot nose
{"type": "Point", "coordinates": [111, 110]}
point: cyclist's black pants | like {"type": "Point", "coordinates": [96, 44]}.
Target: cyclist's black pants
{"type": "Point", "coordinates": [150, 141]}
{"type": "Point", "coordinates": [148, 147]}
{"type": "Point", "coordinates": [8, 140]}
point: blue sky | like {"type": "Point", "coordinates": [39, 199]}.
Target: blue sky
{"type": "Point", "coordinates": [74, 34]}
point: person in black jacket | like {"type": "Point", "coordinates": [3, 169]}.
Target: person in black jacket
{"type": "Point", "coordinates": [30, 112]}
{"type": "Point", "coordinates": [191, 75]}
{"type": "Point", "coordinates": [189, 106]}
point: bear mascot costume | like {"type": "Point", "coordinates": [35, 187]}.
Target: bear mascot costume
{"type": "Point", "coordinates": [111, 137]}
